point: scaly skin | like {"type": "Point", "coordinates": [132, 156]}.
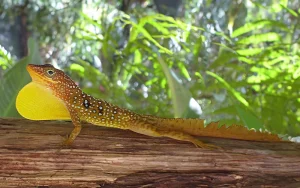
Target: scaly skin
{"type": "Point", "coordinates": [83, 107]}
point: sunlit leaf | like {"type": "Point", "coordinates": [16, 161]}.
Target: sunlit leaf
{"type": "Point", "coordinates": [259, 38]}
{"type": "Point", "coordinates": [249, 52]}
{"type": "Point", "coordinates": [159, 27]}
{"type": "Point", "coordinates": [5, 58]}
{"type": "Point", "coordinates": [236, 94]}
{"type": "Point", "coordinates": [184, 71]}
{"type": "Point", "coordinates": [77, 68]}
{"type": "Point", "coordinates": [292, 12]}
{"type": "Point", "coordinates": [151, 82]}
{"type": "Point", "coordinates": [137, 57]}
{"type": "Point", "coordinates": [139, 29]}
{"type": "Point", "coordinates": [258, 25]}
{"type": "Point", "coordinates": [296, 73]}
{"type": "Point", "coordinates": [246, 60]}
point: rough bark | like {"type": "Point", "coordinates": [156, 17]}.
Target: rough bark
{"type": "Point", "coordinates": [31, 156]}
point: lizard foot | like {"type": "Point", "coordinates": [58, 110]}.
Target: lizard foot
{"type": "Point", "coordinates": [200, 144]}
{"type": "Point", "coordinates": [186, 137]}
{"type": "Point", "coordinates": [67, 142]}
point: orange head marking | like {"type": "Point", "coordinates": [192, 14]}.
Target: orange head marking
{"type": "Point", "coordinates": [52, 78]}
{"type": "Point", "coordinates": [45, 74]}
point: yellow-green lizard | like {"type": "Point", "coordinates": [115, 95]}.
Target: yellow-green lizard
{"type": "Point", "coordinates": [54, 95]}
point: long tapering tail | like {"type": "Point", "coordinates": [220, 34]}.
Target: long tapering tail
{"type": "Point", "coordinates": [196, 127]}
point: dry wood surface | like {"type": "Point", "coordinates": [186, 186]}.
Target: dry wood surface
{"type": "Point", "coordinates": [31, 156]}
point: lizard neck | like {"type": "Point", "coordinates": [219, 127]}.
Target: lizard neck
{"type": "Point", "coordinates": [66, 90]}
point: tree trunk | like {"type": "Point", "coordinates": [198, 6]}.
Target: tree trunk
{"type": "Point", "coordinates": [31, 156]}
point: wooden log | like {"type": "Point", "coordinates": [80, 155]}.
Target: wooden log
{"type": "Point", "coordinates": [31, 156]}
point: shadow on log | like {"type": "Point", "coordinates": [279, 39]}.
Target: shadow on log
{"type": "Point", "coordinates": [31, 156]}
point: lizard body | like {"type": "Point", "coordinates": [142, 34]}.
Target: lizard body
{"type": "Point", "coordinates": [54, 95]}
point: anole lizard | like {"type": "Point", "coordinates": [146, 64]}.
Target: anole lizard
{"type": "Point", "coordinates": [54, 95]}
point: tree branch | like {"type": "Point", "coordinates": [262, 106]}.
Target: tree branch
{"type": "Point", "coordinates": [31, 156]}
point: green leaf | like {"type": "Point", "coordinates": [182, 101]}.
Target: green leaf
{"type": "Point", "coordinates": [242, 106]}
{"type": "Point", "coordinates": [258, 25]}
{"type": "Point", "coordinates": [249, 119]}
{"type": "Point", "coordinates": [292, 12]}
{"type": "Point", "coordinates": [296, 74]}
{"type": "Point", "coordinates": [159, 27]}
{"type": "Point", "coordinates": [139, 29]}
{"type": "Point", "coordinates": [183, 70]}
{"type": "Point", "coordinates": [259, 38]}
{"type": "Point", "coordinates": [198, 47]}
{"type": "Point", "coordinates": [228, 110]}
{"type": "Point", "coordinates": [249, 52]}
{"type": "Point", "coordinates": [137, 57]}
{"type": "Point", "coordinates": [184, 104]}
{"type": "Point", "coordinates": [77, 68]}
{"type": "Point", "coordinates": [14, 80]}
{"type": "Point", "coordinates": [5, 58]}
{"type": "Point", "coordinates": [224, 57]}
{"type": "Point", "coordinates": [232, 91]}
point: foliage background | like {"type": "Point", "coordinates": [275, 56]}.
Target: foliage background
{"type": "Point", "coordinates": [229, 61]}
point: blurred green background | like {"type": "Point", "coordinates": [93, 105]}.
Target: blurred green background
{"type": "Point", "coordinates": [221, 60]}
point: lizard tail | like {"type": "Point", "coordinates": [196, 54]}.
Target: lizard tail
{"type": "Point", "coordinates": [196, 127]}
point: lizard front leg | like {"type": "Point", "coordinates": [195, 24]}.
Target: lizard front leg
{"type": "Point", "coordinates": [77, 128]}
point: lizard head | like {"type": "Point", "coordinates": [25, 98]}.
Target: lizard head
{"type": "Point", "coordinates": [46, 97]}
{"type": "Point", "coordinates": [45, 74]}
{"type": "Point", "coordinates": [50, 77]}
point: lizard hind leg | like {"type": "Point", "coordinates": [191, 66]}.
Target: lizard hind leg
{"type": "Point", "coordinates": [186, 137]}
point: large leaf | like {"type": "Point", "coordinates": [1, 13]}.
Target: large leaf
{"type": "Point", "coordinates": [14, 79]}
{"type": "Point", "coordinates": [184, 104]}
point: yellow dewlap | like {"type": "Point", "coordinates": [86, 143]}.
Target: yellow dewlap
{"type": "Point", "coordinates": [36, 102]}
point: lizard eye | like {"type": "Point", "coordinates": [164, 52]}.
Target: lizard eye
{"type": "Point", "coordinates": [50, 72]}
